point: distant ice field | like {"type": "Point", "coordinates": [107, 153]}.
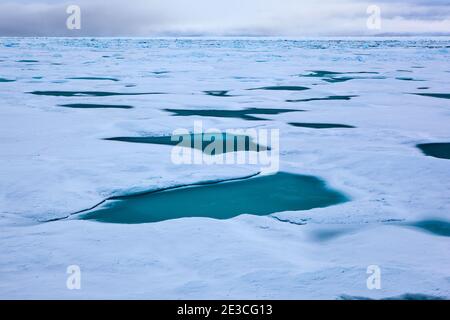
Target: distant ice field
{"type": "Point", "coordinates": [84, 124]}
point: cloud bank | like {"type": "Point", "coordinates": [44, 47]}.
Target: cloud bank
{"type": "Point", "coordinates": [223, 18]}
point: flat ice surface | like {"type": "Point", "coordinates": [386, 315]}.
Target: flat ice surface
{"type": "Point", "coordinates": [54, 161]}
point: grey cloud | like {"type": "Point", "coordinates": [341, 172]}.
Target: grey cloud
{"type": "Point", "coordinates": [221, 17]}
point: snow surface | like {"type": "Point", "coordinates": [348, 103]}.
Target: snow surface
{"type": "Point", "coordinates": [53, 162]}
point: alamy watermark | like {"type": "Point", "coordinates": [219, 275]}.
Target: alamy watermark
{"type": "Point", "coordinates": [251, 146]}
{"type": "Point", "coordinates": [73, 21]}
{"type": "Point", "coordinates": [374, 280]}
{"type": "Point", "coordinates": [374, 19]}
{"type": "Point", "coordinates": [73, 281]}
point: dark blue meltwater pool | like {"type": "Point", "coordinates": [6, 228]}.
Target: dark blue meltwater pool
{"type": "Point", "coordinates": [261, 195]}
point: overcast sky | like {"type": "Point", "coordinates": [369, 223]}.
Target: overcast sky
{"type": "Point", "coordinates": [223, 17]}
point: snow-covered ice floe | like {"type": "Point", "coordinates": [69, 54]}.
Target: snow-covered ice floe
{"type": "Point", "coordinates": [366, 119]}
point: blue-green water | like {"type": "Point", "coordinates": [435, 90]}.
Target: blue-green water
{"type": "Point", "coordinates": [95, 106]}
{"type": "Point", "coordinates": [94, 78]}
{"type": "Point", "coordinates": [349, 97]}
{"type": "Point", "coordinates": [6, 80]}
{"type": "Point", "coordinates": [203, 142]}
{"type": "Point", "coordinates": [261, 195]}
{"type": "Point", "coordinates": [218, 93]}
{"type": "Point", "coordinates": [282, 88]}
{"type": "Point", "coordinates": [434, 95]}
{"type": "Point", "coordinates": [436, 227]}
{"type": "Point", "coordinates": [437, 150]}
{"type": "Point", "coordinates": [407, 79]}
{"type": "Point", "coordinates": [27, 61]}
{"type": "Point", "coordinates": [336, 77]}
{"type": "Point", "coordinates": [245, 114]}
{"type": "Point", "coordinates": [326, 73]}
{"type": "Point", "coordinates": [319, 125]}
{"type": "Point", "coordinates": [88, 93]}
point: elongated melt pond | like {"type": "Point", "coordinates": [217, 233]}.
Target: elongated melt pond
{"type": "Point", "coordinates": [209, 143]}
{"type": "Point", "coordinates": [89, 93]}
{"type": "Point", "coordinates": [438, 150]}
{"type": "Point", "coordinates": [246, 114]}
{"type": "Point", "coordinates": [324, 99]}
{"type": "Point", "coordinates": [325, 73]}
{"type": "Point", "coordinates": [95, 106]}
{"type": "Point", "coordinates": [320, 125]}
{"type": "Point", "coordinates": [94, 78]}
{"type": "Point", "coordinates": [282, 88]}
{"type": "Point", "coordinates": [218, 93]}
{"type": "Point", "coordinates": [434, 95]}
{"type": "Point", "coordinates": [344, 79]}
{"type": "Point", "coordinates": [262, 195]}
{"type": "Point", "coordinates": [436, 227]}
{"type": "Point", "coordinates": [334, 77]}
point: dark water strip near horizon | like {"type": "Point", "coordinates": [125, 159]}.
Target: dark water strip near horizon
{"type": "Point", "coordinates": [95, 106]}
{"type": "Point", "coordinates": [245, 114]}
{"type": "Point", "coordinates": [89, 93]}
